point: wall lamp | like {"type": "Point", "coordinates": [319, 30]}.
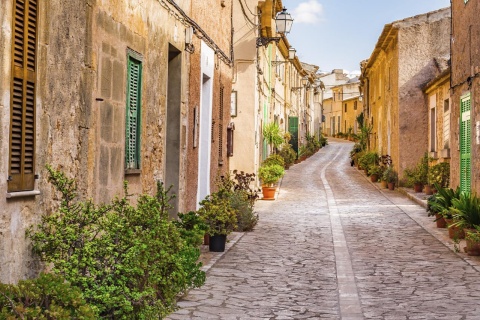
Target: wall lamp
{"type": "Point", "coordinates": [284, 22]}
{"type": "Point", "coordinates": [304, 82]}
{"type": "Point", "coordinates": [291, 56]}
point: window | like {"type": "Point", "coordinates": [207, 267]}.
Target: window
{"type": "Point", "coordinates": [345, 107]}
{"type": "Point", "coordinates": [134, 89]}
{"type": "Point", "coordinates": [433, 123]}
{"type": "Point", "coordinates": [21, 168]}
{"type": "Point", "coordinates": [355, 105]}
{"type": "Point", "coordinates": [446, 124]}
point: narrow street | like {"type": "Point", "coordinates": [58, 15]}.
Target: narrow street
{"type": "Point", "coordinates": [334, 246]}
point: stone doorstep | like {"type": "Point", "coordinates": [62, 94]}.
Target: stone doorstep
{"type": "Point", "coordinates": [428, 224]}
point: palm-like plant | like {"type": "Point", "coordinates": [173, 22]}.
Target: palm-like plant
{"type": "Point", "coordinates": [442, 201]}
{"type": "Point", "coordinates": [466, 210]}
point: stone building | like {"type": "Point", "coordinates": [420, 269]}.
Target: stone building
{"type": "Point", "coordinates": [465, 84]}
{"type": "Point", "coordinates": [402, 62]}
{"type": "Point", "coordinates": [210, 131]}
{"type": "Point", "coordinates": [330, 80]}
{"type": "Point", "coordinates": [267, 84]}
{"type": "Point", "coordinates": [100, 90]}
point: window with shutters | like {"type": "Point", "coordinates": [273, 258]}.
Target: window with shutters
{"type": "Point", "coordinates": [465, 143]}
{"type": "Point", "coordinates": [133, 130]}
{"type": "Point", "coordinates": [220, 128]}
{"type": "Point", "coordinates": [21, 170]}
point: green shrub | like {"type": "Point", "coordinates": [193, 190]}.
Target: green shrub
{"type": "Point", "coordinates": [466, 210]}
{"type": "Point", "coordinates": [288, 154]}
{"type": "Point", "coordinates": [218, 214]}
{"type": "Point", "coordinates": [368, 159]}
{"type": "Point", "coordinates": [46, 297]}
{"type": "Point", "coordinates": [270, 174]}
{"type": "Point", "coordinates": [439, 174]}
{"type": "Point", "coordinates": [238, 189]}
{"type": "Point", "coordinates": [273, 135]}
{"type": "Point", "coordinates": [192, 228]}
{"type": "Point", "coordinates": [274, 159]}
{"type": "Point", "coordinates": [419, 174]}
{"type": "Point", "coordinates": [130, 262]}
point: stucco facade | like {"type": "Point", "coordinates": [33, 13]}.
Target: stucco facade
{"type": "Point", "coordinates": [402, 62]}
{"type": "Point", "coordinates": [437, 94]}
{"type": "Point", "coordinates": [87, 53]}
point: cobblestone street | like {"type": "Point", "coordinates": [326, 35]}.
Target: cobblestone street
{"type": "Point", "coordinates": [335, 246]}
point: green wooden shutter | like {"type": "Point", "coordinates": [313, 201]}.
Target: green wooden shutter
{"type": "Point", "coordinates": [293, 129]}
{"type": "Point", "coordinates": [465, 143]}
{"type": "Point", "coordinates": [132, 139]}
{"type": "Point", "coordinates": [22, 108]}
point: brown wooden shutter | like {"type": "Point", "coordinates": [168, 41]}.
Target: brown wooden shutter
{"type": "Point", "coordinates": [22, 125]}
{"type": "Point", "coordinates": [220, 128]}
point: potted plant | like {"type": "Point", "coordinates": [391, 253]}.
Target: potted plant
{"type": "Point", "coordinates": [390, 175]}
{"type": "Point", "coordinates": [418, 176]}
{"type": "Point", "coordinates": [273, 135]}
{"type": "Point", "coordinates": [375, 172]}
{"type": "Point", "coordinates": [472, 238]}
{"type": "Point", "coordinates": [442, 205]}
{"type": "Point", "coordinates": [367, 159]}
{"type": "Point", "coordinates": [466, 213]}
{"type": "Point", "coordinates": [269, 174]}
{"type": "Point", "coordinates": [220, 218]}
{"type": "Point", "coordinates": [433, 209]}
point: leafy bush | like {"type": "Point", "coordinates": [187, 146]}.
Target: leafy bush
{"type": "Point", "coordinates": [419, 174]}
{"type": "Point", "coordinates": [218, 214]}
{"type": "Point", "coordinates": [389, 175]}
{"type": "Point", "coordinates": [46, 297]}
{"type": "Point", "coordinates": [238, 189]}
{"type": "Point", "coordinates": [274, 159]}
{"type": "Point", "coordinates": [192, 227]}
{"type": "Point", "coordinates": [270, 174]}
{"type": "Point", "coordinates": [288, 154]}
{"type": "Point", "coordinates": [439, 174]}
{"type": "Point", "coordinates": [130, 262]}
{"type": "Point", "coordinates": [368, 159]}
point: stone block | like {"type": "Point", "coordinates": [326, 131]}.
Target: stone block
{"type": "Point", "coordinates": [118, 92]}
{"type": "Point", "coordinates": [104, 163]}
{"type": "Point", "coordinates": [106, 74]}
{"type": "Point", "coordinates": [106, 121]}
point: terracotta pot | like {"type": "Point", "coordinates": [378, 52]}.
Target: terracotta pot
{"type": "Point", "coordinates": [374, 177]}
{"type": "Point", "coordinates": [454, 232]}
{"type": "Point", "coordinates": [391, 185]}
{"type": "Point", "coordinates": [418, 187]}
{"type": "Point", "coordinates": [206, 239]}
{"type": "Point", "coordinates": [428, 190]}
{"type": "Point", "coordinates": [268, 193]}
{"type": "Point", "coordinates": [441, 223]}
{"type": "Point", "coordinates": [383, 184]}
{"type": "Point", "coordinates": [473, 247]}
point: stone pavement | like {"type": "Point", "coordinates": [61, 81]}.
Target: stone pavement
{"type": "Point", "coordinates": [335, 246]}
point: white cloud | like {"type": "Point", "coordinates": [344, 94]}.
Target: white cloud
{"type": "Point", "coordinates": [308, 12]}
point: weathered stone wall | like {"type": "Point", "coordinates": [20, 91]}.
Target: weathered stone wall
{"type": "Point", "coordinates": [420, 40]}
{"type": "Point", "coordinates": [465, 78]}
{"type": "Point", "coordinates": [80, 107]}
{"type": "Point", "coordinates": [214, 17]}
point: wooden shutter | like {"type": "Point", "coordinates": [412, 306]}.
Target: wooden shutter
{"type": "Point", "coordinates": [22, 108]}
{"type": "Point", "coordinates": [220, 128]}
{"type": "Point", "coordinates": [132, 139]}
{"type": "Point", "coordinates": [293, 130]}
{"type": "Point", "coordinates": [465, 143]}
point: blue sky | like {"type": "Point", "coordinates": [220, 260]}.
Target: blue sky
{"type": "Point", "coordinates": [338, 34]}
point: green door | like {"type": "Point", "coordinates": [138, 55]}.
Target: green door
{"type": "Point", "coordinates": [293, 129]}
{"type": "Point", "coordinates": [465, 143]}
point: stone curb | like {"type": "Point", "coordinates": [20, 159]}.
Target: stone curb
{"type": "Point", "coordinates": [210, 258]}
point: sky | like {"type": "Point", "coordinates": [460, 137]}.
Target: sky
{"type": "Point", "coordinates": [338, 34]}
